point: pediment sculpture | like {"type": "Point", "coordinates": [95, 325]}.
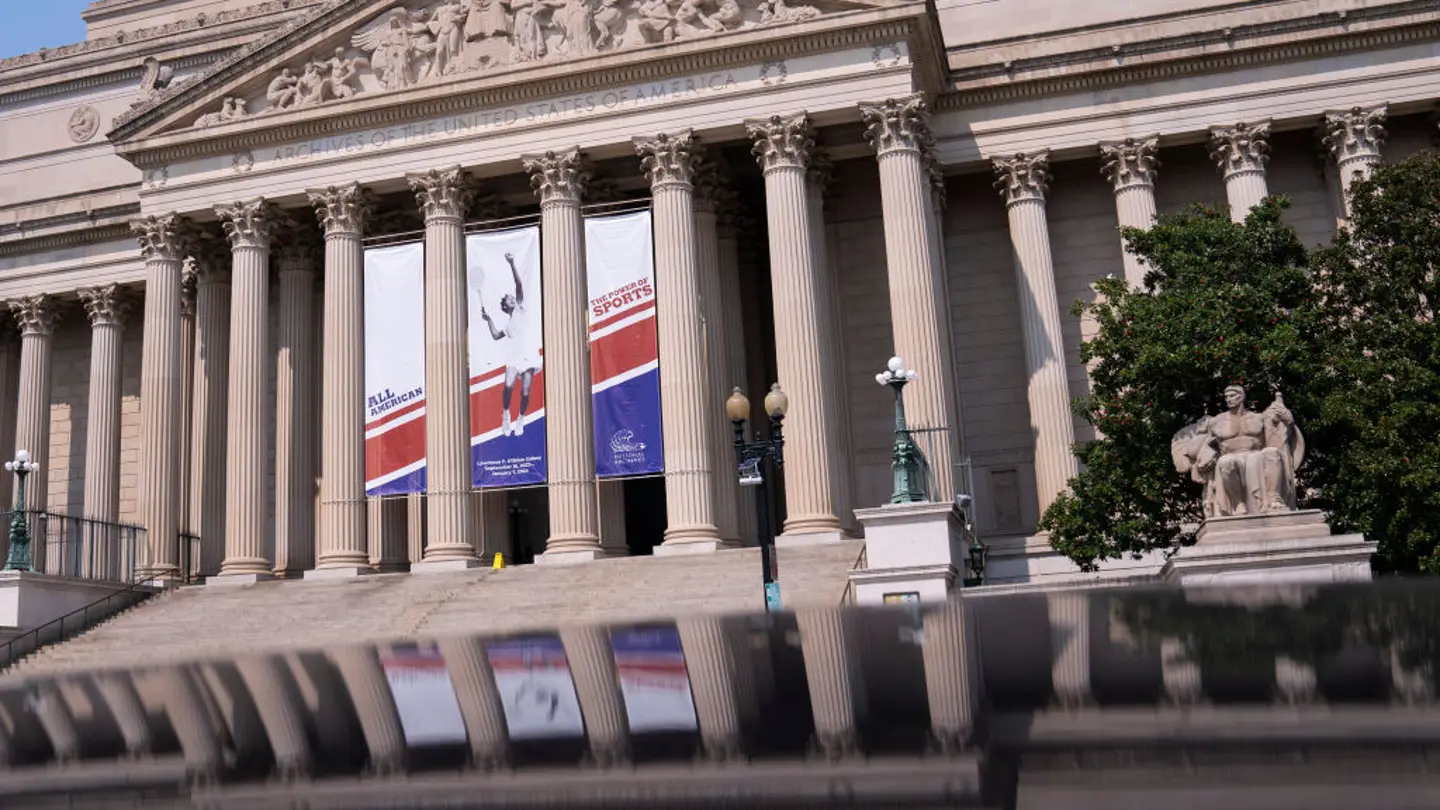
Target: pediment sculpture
{"type": "Point", "coordinates": [1246, 461]}
{"type": "Point", "coordinates": [419, 43]}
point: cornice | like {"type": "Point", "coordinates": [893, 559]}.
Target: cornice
{"type": "Point", "coordinates": [1208, 51]}
{"type": "Point", "coordinates": [841, 30]}
{"type": "Point", "coordinates": [103, 76]}
{"type": "Point", "coordinates": [71, 238]}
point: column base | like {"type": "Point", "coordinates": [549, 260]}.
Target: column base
{"type": "Point", "coordinates": [821, 538]}
{"type": "Point", "coordinates": [696, 547]}
{"type": "Point", "coordinates": [239, 579]}
{"type": "Point", "coordinates": [445, 566]}
{"type": "Point", "coordinates": [339, 572]}
{"type": "Point", "coordinates": [570, 556]}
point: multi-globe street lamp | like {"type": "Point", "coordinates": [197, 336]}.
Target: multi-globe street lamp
{"type": "Point", "coordinates": [753, 460]}
{"type": "Point", "coordinates": [907, 463]}
{"type": "Point", "coordinates": [19, 557]}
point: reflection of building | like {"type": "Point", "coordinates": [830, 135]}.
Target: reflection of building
{"type": "Point", "coordinates": [869, 226]}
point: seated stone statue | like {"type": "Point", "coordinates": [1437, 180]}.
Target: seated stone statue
{"type": "Point", "coordinates": [1245, 460]}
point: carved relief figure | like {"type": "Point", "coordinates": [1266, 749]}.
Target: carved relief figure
{"type": "Point", "coordinates": [399, 47]}
{"type": "Point", "coordinates": [576, 21]}
{"type": "Point", "coordinates": [231, 109]}
{"type": "Point", "coordinates": [488, 18]}
{"type": "Point", "coordinates": [343, 71]}
{"type": "Point", "coordinates": [527, 40]}
{"type": "Point", "coordinates": [447, 25]}
{"type": "Point", "coordinates": [776, 11]}
{"type": "Point", "coordinates": [657, 24]}
{"type": "Point", "coordinates": [283, 90]}
{"type": "Point", "coordinates": [729, 15]}
{"type": "Point", "coordinates": [1245, 460]}
{"type": "Point", "coordinates": [609, 25]}
{"type": "Point", "coordinates": [155, 78]}
{"type": "Point", "coordinates": [313, 85]}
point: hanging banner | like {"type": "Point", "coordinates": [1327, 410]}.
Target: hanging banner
{"type": "Point", "coordinates": [653, 680]}
{"type": "Point", "coordinates": [424, 695]}
{"type": "Point", "coordinates": [507, 386]}
{"type": "Point", "coordinates": [395, 369]}
{"type": "Point", "coordinates": [537, 693]}
{"type": "Point", "coordinates": [624, 349]}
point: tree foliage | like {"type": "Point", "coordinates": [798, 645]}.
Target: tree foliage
{"type": "Point", "coordinates": [1222, 303]}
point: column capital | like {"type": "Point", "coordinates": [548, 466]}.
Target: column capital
{"type": "Point", "coordinates": [936, 173]}
{"type": "Point", "coordinates": [668, 158]}
{"type": "Point", "coordinates": [709, 186]}
{"type": "Point", "coordinates": [898, 124]}
{"type": "Point", "coordinates": [164, 237]}
{"type": "Point", "coordinates": [189, 279]}
{"type": "Point", "coordinates": [249, 224]}
{"type": "Point", "coordinates": [782, 141]}
{"type": "Point", "coordinates": [603, 190]}
{"type": "Point", "coordinates": [1355, 134]}
{"type": "Point", "coordinates": [210, 259]}
{"type": "Point", "coordinates": [342, 210]}
{"type": "Point", "coordinates": [34, 314]}
{"type": "Point", "coordinates": [558, 177]}
{"type": "Point", "coordinates": [728, 213]}
{"type": "Point", "coordinates": [1240, 148]}
{"type": "Point", "coordinates": [1024, 177]}
{"type": "Point", "coordinates": [442, 194]}
{"type": "Point", "coordinates": [298, 249]}
{"type": "Point", "coordinates": [1130, 163]}
{"type": "Point", "coordinates": [107, 305]}
{"type": "Point", "coordinates": [820, 171]}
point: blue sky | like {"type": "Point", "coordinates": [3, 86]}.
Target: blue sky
{"type": "Point", "coordinates": [34, 24]}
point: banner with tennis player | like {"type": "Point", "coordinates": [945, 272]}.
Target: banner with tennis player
{"type": "Point", "coordinates": [395, 369]}
{"type": "Point", "coordinates": [507, 386]}
{"type": "Point", "coordinates": [624, 351]}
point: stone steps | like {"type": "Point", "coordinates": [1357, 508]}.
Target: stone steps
{"type": "Point", "coordinates": [200, 622]}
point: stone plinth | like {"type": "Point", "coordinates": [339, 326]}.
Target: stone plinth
{"type": "Point", "coordinates": [29, 600]}
{"type": "Point", "coordinates": [1274, 547]}
{"type": "Point", "coordinates": [910, 548]}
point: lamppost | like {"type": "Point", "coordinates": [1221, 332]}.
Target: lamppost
{"type": "Point", "coordinates": [19, 557]}
{"type": "Point", "coordinates": [906, 461]}
{"type": "Point", "coordinates": [751, 463]}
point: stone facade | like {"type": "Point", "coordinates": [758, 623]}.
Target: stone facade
{"type": "Point", "coordinates": [171, 107]}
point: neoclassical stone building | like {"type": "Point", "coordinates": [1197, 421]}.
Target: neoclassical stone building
{"type": "Point", "coordinates": [188, 196]}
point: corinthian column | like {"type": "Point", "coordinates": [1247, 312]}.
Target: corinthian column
{"type": "Point", "coordinates": [558, 179]}
{"type": "Point", "coordinates": [1130, 166]}
{"type": "Point", "coordinates": [1023, 181]}
{"type": "Point", "coordinates": [107, 307]}
{"type": "Point", "coordinates": [707, 254]}
{"type": "Point", "coordinates": [732, 317]}
{"type": "Point", "coordinates": [344, 546]}
{"type": "Point", "coordinates": [295, 407]}
{"type": "Point", "coordinates": [819, 184]}
{"type": "Point", "coordinates": [9, 399]}
{"type": "Point", "coordinates": [187, 394]}
{"type": "Point", "coordinates": [443, 195]}
{"type": "Point", "coordinates": [1240, 152]}
{"type": "Point", "coordinates": [899, 130]}
{"type": "Point", "coordinates": [210, 403]}
{"type": "Point", "coordinates": [35, 316]}
{"type": "Point", "coordinates": [802, 327]}
{"type": "Point", "coordinates": [1354, 138]}
{"type": "Point", "coordinates": [669, 160]}
{"type": "Point", "coordinates": [163, 244]}
{"type": "Point", "coordinates": [249, 226]}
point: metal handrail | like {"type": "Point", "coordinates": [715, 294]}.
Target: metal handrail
{"type": "Point", "coordinates": [9, 656]}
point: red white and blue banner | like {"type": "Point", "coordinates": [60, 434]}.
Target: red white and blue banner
{"type": "Point", "coordinates": [507, 384]}
{"type": "Point", "coordinates": [624, 349]}
{"type": "Point", "coordinates": [653, 680]}
{"type": "Point", "coordinates": [395, 369]}
{"type": "Point", "coordinates": [424, 695]}
{"type": "Point", "coordinates": [537, 692]}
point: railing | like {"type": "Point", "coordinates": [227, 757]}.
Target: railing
{"type": "Point", "coordinates": [75, 622]}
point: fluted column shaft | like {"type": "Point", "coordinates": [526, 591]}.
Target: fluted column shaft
{"type": "Point", "coordinates": [479, 701]}
{"type": "Point", "coordinates": [295, 409]}
{"type": "Point", "coordinates": [842, 446]}
{"type": "Point", "coordinates": [597, 684]}
{"type": "Point", "coordinates": [732, 317]}
{"type": "Point", "coordinates": [36, 318]}
{"type": "Point", "coordinates": [124, 703]}
{"type": "Point", "coordinates": [1241, 152]}
{"type": "Point", "coordinates": [802, 325]}
{"type": "Point", "coordinates": [107, 308]}
{"type": "Point", "coordinates": [1354, 138]}
{"type": "Point", "coordinates": [388, 528]}
{"type": "Point", "coordinates": [266, 679]}
{"type": "Point", "coordinates": [899, 130]}
{"type": "Point", "coordinates": [1130, 166]}
{"type": "Point", "coordinates": [715, 683]}
{"type": "Point", "coordinates": [248, 226]}
{"type": "Point", "coordinates": [953, 680]}
{"type": "Point", "coordinates": [374, 707]}
{"type": "Point", "coordinates": [837, 684]}
{"type": "Point", "coordinates": [163, 244]}
{"type": "Point", "coordinates": [611, 499]}
{"type": "Point", "coordinates": [443, 197]}
{"type": "Point", "coordinates": [211, 407]}
{"type": "Point", "coordinates": [559, 179]}
{"type": "Point", "coordinates": [188, 281]}
{"type": "Point", "coordinates": [55, 718]}
{"type": "Point", "coordinates": [1023, 182]}
{"type": "Point", "coordinates": [1070, 647]}
{"type": "Point", "coordinates": [707, 254]}
{"type": "Point", "coordinates": [343, 544]}
{"type": "Point", "coordinates": [9, 401]}
{"type": "Point", "coordinates": [689, 466]}
{"type": "Point", "coordinates": [185, 708]}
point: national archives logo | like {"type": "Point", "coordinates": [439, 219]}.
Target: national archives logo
{"type": "Point", "coordinates": [624, 450]}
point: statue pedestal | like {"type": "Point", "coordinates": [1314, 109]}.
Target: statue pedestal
{"type": "Point", "coordinates": [1268, 548]}
{"type": "Point", "coordinates": [913, 552]}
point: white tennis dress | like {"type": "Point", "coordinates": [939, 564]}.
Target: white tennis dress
{"type": "Point", "coordinates": [522, 346]}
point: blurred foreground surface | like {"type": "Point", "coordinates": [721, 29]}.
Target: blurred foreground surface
{"type": "Point", "coordinates": [1297, 697]}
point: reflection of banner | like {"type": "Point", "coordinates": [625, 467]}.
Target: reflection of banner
{"type": "Point", "coordinates": [624, 358]}
{"type": "Point", "coordinates": [395, 369]}
{"type": "Point", "coordinates": [424, 696]}
{"type": "Point", "coordinates": [536, 691]}
{"type": "Point", "coordinates": [653, 680]}
{"type": "Point", "coordinates": [507, 388]}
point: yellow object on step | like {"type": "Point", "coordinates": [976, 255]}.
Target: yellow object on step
{"type": "Point", "coordinates": [499, 562]}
